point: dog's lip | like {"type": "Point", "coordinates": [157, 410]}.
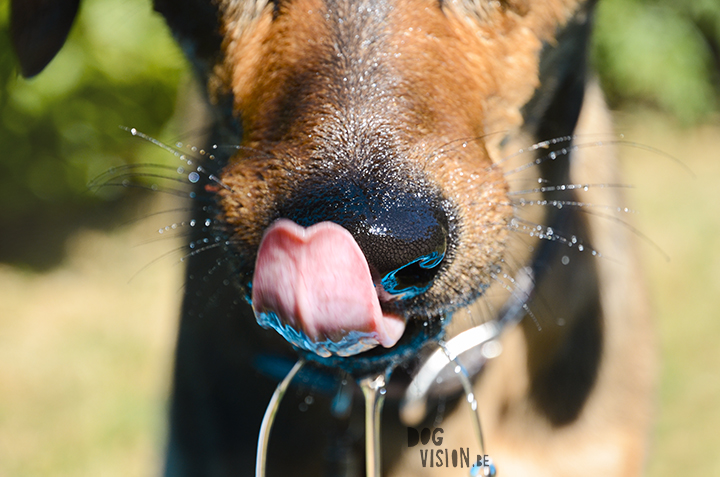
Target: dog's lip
{"type": "Point", "coordinates": [314, 286]}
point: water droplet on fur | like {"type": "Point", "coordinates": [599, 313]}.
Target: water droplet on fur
{"type": "Point", "coordinates": [193, 177]}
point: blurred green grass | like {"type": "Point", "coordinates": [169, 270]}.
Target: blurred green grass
{"type": "Point", "coordinates": [86, 355]}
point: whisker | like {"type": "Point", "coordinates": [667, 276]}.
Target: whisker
{"type": "Point", "coordinates": [656, 151]}
{"type": "Point", "coordinates": [569, 187]}
{"type": "Point", "coordinates": [155, 214]}
{"type": "Point", "coordinates": [559, 204]}
{"type": "Point", "coordinates": [164, 238]}
{"type": "Point", "coordinates": [537, 146]}
{"type": "Point", "coordinates": [133, 175]}
{"type": "Point", "coordinates": [552, 155]}
{"type": "Point", "coordinates": [542, 232]}
{"type": "Point", "coordinates": [200, 250]}
{"type": "Point", "coordinates": [176, 227]}
{"type": "Point", "coordinates": [206, 245]}
{"type": "Point", "coordinates": [155, 260]}
{"type": "Point", "coordinates": [454, 145]}
{"type": "Point", "coordinates": [565, 152]}
{"type": "Point", "coordinates": [189, 161]}
{"type": "Point", "coordinates": [155, 188]}
{"type": "Point", "coordinates": [199, 131]}
{"type": "Point", "coordinates": [513, 288]}
{"type": "Point", "coordinates": [631, 228]}
{"type": "Point", "coordinates": [125, 167]}
{"type": "Point", "coordinates": [584, 208]}
{"type": "Point", "coordinates": [238, 147]}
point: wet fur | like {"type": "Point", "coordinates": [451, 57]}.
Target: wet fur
{"type": "Point", "coordinates": [421, 98]}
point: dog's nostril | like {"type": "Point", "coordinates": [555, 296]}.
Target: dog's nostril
{"type": "Point", "coordinates": [404, 247]}
{"type": "Point", "coordinates": [415, 277]}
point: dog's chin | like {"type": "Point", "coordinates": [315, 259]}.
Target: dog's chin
{"type": "Point", "coordinates": [418, 336]}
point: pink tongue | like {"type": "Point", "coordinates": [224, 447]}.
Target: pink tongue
{"type": "Point", "coordinates": [317, 281]}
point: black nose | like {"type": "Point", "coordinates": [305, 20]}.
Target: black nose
{"type": "Point", "coordinates": [403, 234]}
{"type": "Point", "coordinates": [404, 243]}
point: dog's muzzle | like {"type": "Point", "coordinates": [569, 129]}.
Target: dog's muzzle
{"type": "Point", "coordinates": [322, 287]}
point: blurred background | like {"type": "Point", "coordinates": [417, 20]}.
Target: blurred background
{"type": "Point", "coordinates": [89, 297]}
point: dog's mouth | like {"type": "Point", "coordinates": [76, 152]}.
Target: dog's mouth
{"type": "Point", "coordinates": [316, 288]}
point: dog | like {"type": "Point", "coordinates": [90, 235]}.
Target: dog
{"type": "Point", "coordinates": [403, 171]}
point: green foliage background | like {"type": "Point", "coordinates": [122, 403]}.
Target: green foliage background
{"type": "Point", "coordinates": [663, 53]}
{"type": "Point", "coordinates": [60, 129]}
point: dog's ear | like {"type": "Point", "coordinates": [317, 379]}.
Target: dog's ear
{"type": "Point", "coordinates": [38, 29]}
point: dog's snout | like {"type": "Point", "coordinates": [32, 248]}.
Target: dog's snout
{"type": "Point", "coordinates": [402, 234]}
